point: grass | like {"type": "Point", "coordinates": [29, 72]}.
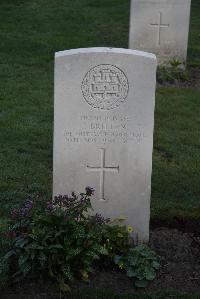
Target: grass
{"type": "Point", "coordinates": [31, 31]}
{"type": "Point", "coordinates": [175, 180]}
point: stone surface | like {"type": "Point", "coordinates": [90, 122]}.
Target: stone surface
{"type": "Point", "coordinates": [160, 27]}
{"type": "Point", "coordinates": [103, 130]}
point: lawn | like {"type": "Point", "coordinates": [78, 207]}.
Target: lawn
{"type": "Point", "coordinates": [31, 32]}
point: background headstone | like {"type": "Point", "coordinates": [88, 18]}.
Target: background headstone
{"type": "Point", "coordinates": [160, 27]}
{"type": "Point", "coordinates": [103, 130]}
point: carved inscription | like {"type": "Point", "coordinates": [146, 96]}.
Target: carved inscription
{"type": "Point", "coordinates": [159, 25]}
{"type": "Point", "coordinates": [105, 87]}
{"type": "Point", "coordinates": [102, 169]}
{"type": "Point", "coordinates": [105, 130]}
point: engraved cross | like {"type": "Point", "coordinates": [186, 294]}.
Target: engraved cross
{"type": "Point", "coordinates": [102, 169]}
{"type": "Point", "coordinates": [159, 25]}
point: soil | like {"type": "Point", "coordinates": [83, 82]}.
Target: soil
{"type": "Point", "coordinates": [179, 272]}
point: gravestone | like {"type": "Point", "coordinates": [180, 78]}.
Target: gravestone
{"type": "Point", "coordinates": [160, 27]}
{"type": "Point", "coordinates": [103, 130]}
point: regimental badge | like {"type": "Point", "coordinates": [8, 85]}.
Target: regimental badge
{"type": "Point", "coordinates": [105, 87]}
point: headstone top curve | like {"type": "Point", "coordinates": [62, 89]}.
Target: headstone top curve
{"type": "Point", "coordinates": [105, 50]}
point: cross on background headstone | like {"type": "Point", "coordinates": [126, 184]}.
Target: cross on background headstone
{"type": "Point", "coordinates": [159, 25]}
{"type": "Point", "coordinates": [102, 169]}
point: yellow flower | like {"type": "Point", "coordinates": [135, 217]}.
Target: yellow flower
{"type": "Point", "coordinates": [129, 229]}
{"type": "Point", "coordinates": [121, 265]}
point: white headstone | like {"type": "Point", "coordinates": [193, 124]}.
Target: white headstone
{"type": "Point", "coordinates": [103, 130]}
{"type": "Point", "coordinates": [160, 27]}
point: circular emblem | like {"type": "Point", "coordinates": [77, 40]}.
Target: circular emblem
{"type": "Point", "coordinates": [105, 87]}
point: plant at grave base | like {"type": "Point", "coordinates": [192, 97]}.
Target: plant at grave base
{"type": "Point", "coordinates": [175, 62]}
{"type": "Point", "coordinates": [140, 263]}
{"type": "Point", "coordinates": [116, 238]}
{"type": "Point", "coordinates": [61, 241]}
{"type": "Point", "coordinates": [171, 73]}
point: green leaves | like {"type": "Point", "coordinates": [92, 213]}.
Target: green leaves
{"type": "Point", "coordinates": [9, 254]}
{"type": "Point", "coordinates": [171, 73]}
{"type": "Point", "coordinates": [64, 241]}
{"type": "Point", "coordinates": [130, 272]}
{"type": "Point", "coordinates": [21, 242]}
{"type": "Point", "coordinates": [56, 246]}
{"type": "Point", "coordinates": [155, 264]}
{"type": "Point", "coordinates": [141, 263]}
{"type": "Point", "coordinates": [61, 241]}
{"type": "Point", "coordinates": [102, 250]}
{"type": "Point", "coordinates": [116, 240]}
{"type": "Point", "coordinates": [24, 265]}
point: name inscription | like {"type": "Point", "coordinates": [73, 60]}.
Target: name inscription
{"type": "Point", "coordinates": [105, 129]}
